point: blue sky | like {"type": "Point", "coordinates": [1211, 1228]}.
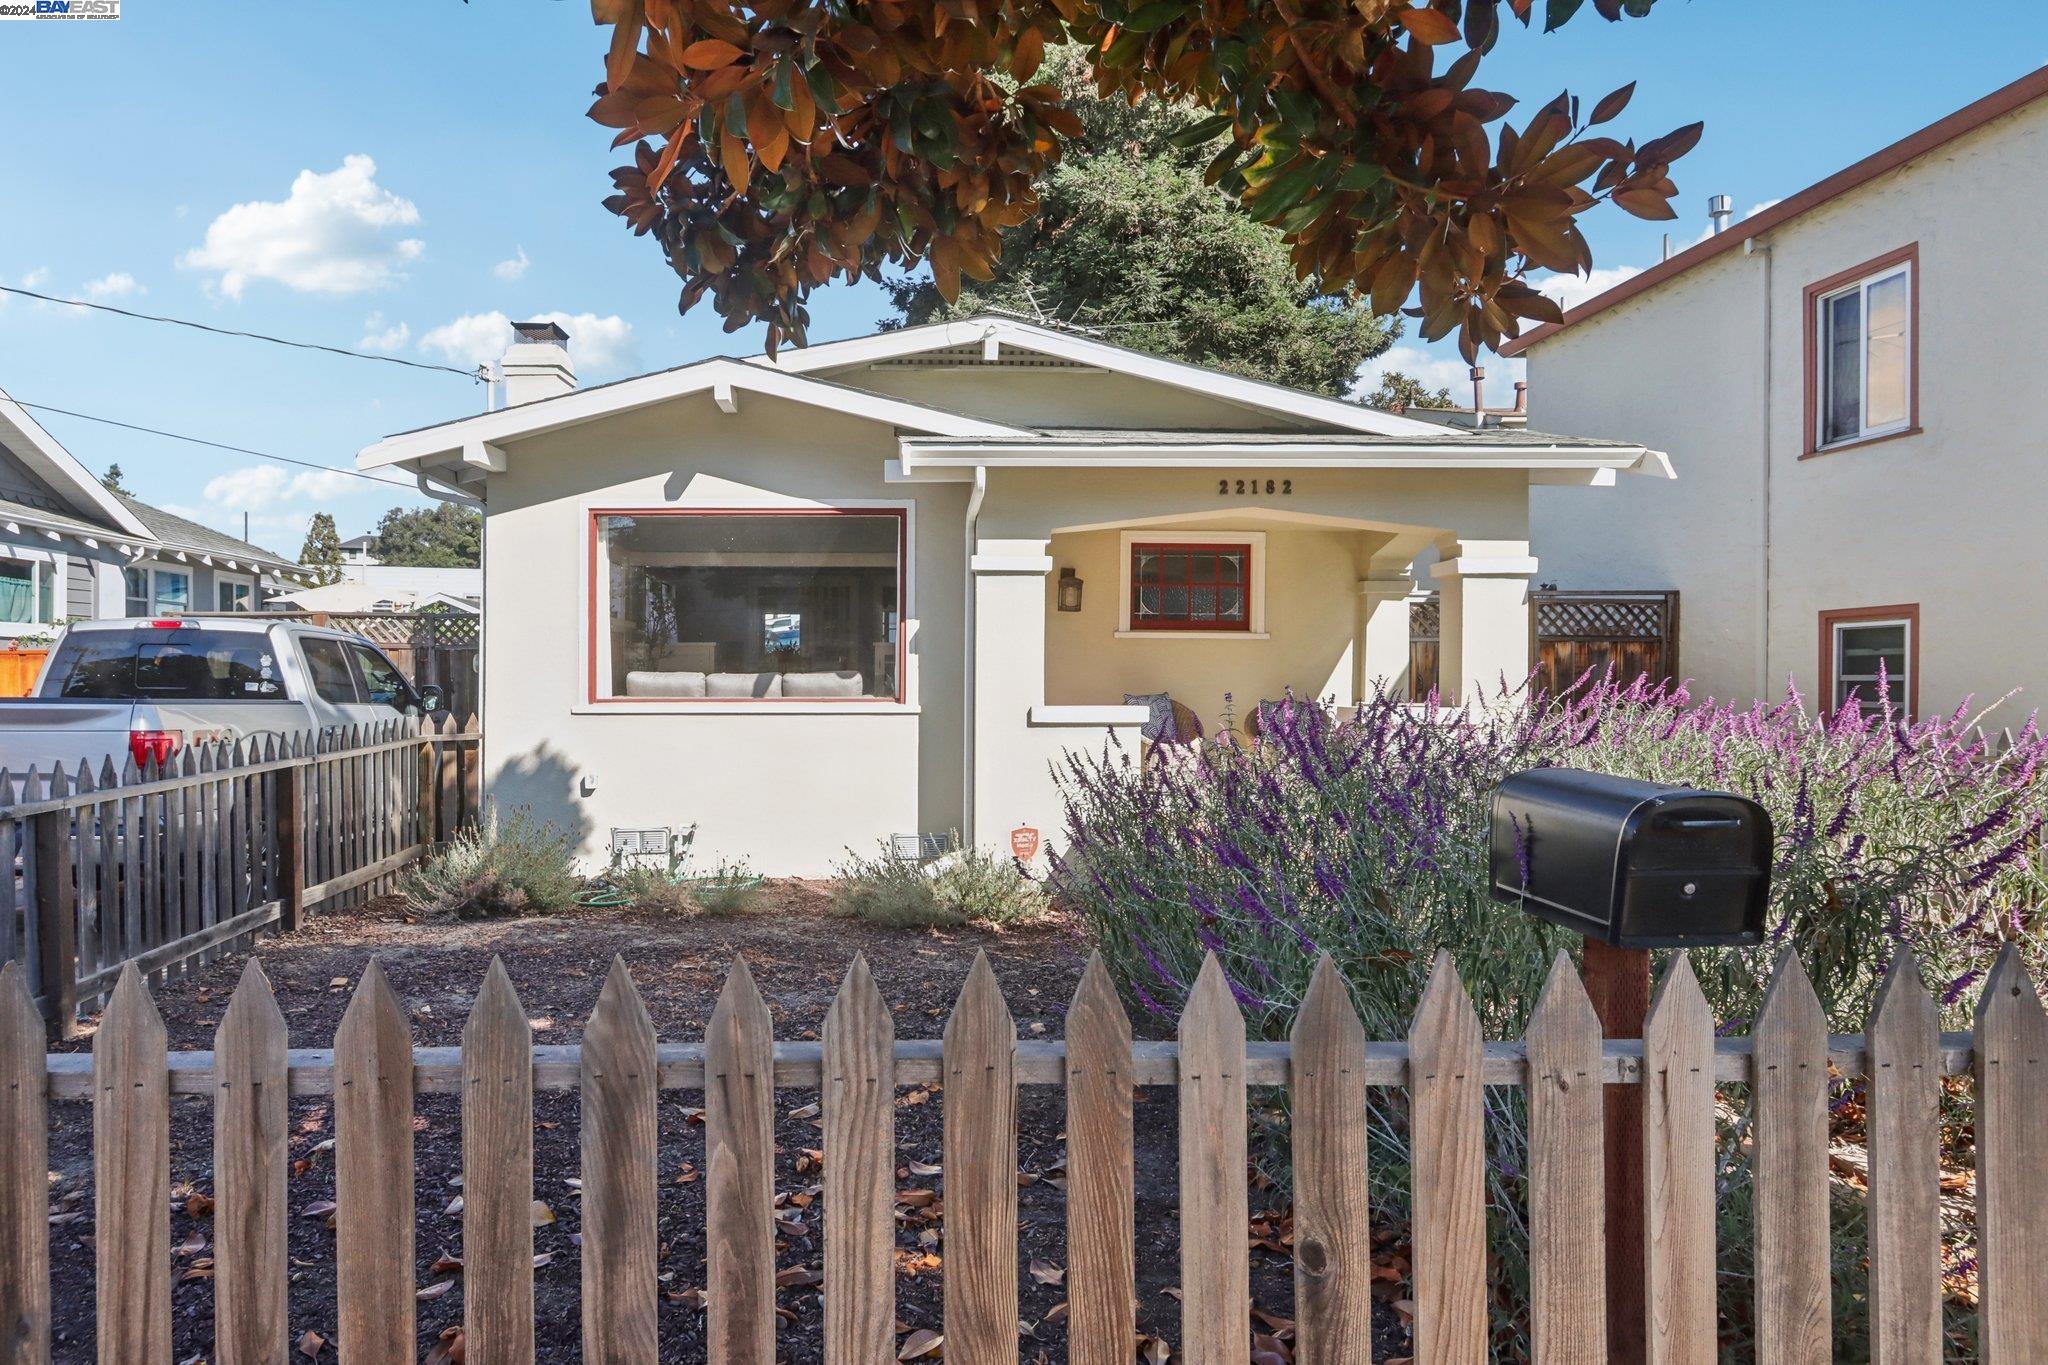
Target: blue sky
{"type": "Point", "coordinates": [409, 168]}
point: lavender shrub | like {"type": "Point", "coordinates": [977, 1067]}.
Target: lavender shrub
{"type": "Point", "coordinates": [1366, 838]}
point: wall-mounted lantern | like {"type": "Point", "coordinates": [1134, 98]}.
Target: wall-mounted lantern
{"type": "Point", "coordinates": [1070, 590]}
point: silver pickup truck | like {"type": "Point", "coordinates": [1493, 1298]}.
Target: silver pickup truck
{"type": "Point", "coordinates": [144, 689]}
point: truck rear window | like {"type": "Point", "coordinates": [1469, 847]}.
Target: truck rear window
{"type": "Point", "coordinates": [188, 664]}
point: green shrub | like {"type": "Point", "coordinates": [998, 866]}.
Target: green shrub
{"type": "Point", "coordinates": [730, 888]}
{"type": "Point", "coordinates": [652, 890]}
{"type": "Point", "coordinates": [970, 886]}
{"type": "Point", "coordinates": [518, 866]}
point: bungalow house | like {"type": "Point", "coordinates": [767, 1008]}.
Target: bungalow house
{"type": "Point", "coordinates": [70, 548]}
{"type": "Point", "coordinates": [1836, 377]}
{"type": "Point", "coordinates": [878, 587]}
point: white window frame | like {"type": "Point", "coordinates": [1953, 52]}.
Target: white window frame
{"type": "Point", "coordinates": [154, 570]}
{"type": "Point", "coordinates": [44, 564]}
{"type": "Point", "coordinates": [585, 702]}
{"type": "Point", "coordinates": [1823, 370]}
{"type": "Point", "coordinates": [221, 579]}
{"type": "Point", "coordinates": [1838, 630]}
{"type": "Point", "coordinates": [1255, 590]}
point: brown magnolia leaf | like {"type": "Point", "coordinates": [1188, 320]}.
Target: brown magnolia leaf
{"type": "Point", "coordinates": [1153, 1351]}
{"type": "Point", "coordinates": [1612, 104]}
{"type": "Point", "coordinates": [312, 1344]}
{"type": "Point", "coordinates": [921, 1344]}
{"type": "Point", "coordinates": [1045, 1272]}
{"type": "Point", "coordinates": [449, 1350]}
{"type": "Point", "coordinates": [199, 1206]}
{"type": "Point", "coordinates": [1429, 26]}
{"type": "Point", "coordinates": [709, 54]}
{"type": "Point", "coordinates": [542, 1214]}
{"type": "Point", "coordinates": [1028, 56]}
{"type": "Point", "coordinates": [434, 1290]}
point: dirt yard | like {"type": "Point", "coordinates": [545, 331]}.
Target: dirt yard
{"type": "Point", "coordinates": [797, 953]}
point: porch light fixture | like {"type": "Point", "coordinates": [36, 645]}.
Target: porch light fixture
{"type": "Point", "coordinates": [1070, 590]}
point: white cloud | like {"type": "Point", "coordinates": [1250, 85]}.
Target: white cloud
{"type": "Point", "coordinates": [36, 279]}
{"type": "Point", "coordinates": [119, 285]}
{"type": "Point", "coordinates": [597, 345]}
{"type": "Point", "coordinates": [268, 487]}
{"type": "Point", "coordinates": [1443, 371]}
{"type": "Point", "coordinates": [378, 337]}
{"type": "Point", "coordinates": [514, 268]}
{"type": "Point", "coordinates": [333, 234]}
{"type": "Point", "coordinates": [1573, 290]}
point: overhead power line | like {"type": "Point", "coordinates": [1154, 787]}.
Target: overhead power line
{"type": "Point", "coordinates": [217, 445]}
{"type": "Point", "coordinates": [247, 336]}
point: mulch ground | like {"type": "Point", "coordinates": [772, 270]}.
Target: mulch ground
{"type": "Point", "coordinates": [797, 953]}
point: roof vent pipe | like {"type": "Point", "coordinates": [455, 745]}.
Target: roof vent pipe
{"type": "Point", "coordinates": [1720, 208]}
{"type": "Point", "coordinates": [1478, 395]}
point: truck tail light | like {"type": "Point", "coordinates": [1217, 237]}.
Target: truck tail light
{"type": "Point", "coordinates": [167, 623]}
{"type": "Point", "coordinates": [154, 746]}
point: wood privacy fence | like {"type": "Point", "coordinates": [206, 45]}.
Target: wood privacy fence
{"type": "Point", "coordinates": [157, 867]}
{"type": "Point", "coordinates": [1335, 1075]}
{"type": "Point", "coordinates": [1569, 633]}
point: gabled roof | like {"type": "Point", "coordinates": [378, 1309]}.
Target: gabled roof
{"type": "Point", "coordinates": [1933, 137]}
{"type": "Point", "coordinates": [180, 533]}
{"type": "Point", "coordinates": [722, 376]}
{"type": "Point", "coordinates": [994, 331]}
{"type": "Point", "coordinates": [40, 451]}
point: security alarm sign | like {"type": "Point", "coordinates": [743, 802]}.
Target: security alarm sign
{"type": "Point", "coordinates": [1024, 843]}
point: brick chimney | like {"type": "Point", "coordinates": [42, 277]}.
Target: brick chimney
{"type": "Point", "coordinates": [536, 365]}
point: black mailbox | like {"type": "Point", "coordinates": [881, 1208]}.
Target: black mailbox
{"type": "Point", "coordinates": [1633, 864]}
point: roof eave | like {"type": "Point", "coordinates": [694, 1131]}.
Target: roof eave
{"type": "Point", "coordinates": [917, 454]}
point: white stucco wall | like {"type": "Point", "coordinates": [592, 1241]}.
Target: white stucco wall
{"type": "Point", "coordinates": [784, 787]}
{"type": "Point", "coordinates": [1710, 369]}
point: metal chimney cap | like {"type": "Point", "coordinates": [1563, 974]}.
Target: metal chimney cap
{"type": "Point", "coordinates": [1720, 204]}
{"type": "Point", "coordinates": [539, 331]}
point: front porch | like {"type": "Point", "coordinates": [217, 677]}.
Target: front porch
{"type": "Point", "coordinates": [1219, 611]}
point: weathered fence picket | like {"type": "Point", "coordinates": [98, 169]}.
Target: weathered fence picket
{"type": "Point", "coordinates": [980, 1173]}
{"type": "Point", "coordinates": [1336, 1079]}
{"type": "Point", "coordinates": [1102, 1293]}
{"type": "Point", "coordinates": [497, 1174]}
{"type": "Point", "coordinates": [859, 1109]}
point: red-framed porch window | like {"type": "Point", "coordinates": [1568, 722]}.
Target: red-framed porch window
{"type": "Point", "coordinates": [1179, 586]}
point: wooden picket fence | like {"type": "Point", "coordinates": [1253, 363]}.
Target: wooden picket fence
{"type": "Point", "coordinates": [1332, 1071]}
{"type": "Point", "coordinates": [168, 865]}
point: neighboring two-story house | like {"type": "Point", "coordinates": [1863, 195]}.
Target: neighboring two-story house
{"type": "Point", "coordinates": [1841, 382]}
{"type": "Point", "coordinates": [70, 548]}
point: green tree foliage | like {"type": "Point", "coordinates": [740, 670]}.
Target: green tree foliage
{"type": "Point", "coordinates": [1131, 240]}
{"type": "Point", "coordinates": [443, 536]}
{"type": "Point", "coordinates": [1398, 391]}
{"type": "Point", "coordinates": [112, 482]}
{"type": "Point", "coordinates": [321, 554]}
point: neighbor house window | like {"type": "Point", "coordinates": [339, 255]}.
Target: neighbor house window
{"type": "Point", "coordinates": [1870, 659]}
{"type": "Point", "coordinates": [1862, 350]}
{"type": "Point", "coordinates": [27, 592]}
{"type": "Point", "coordinates": [799, 605]}
{"type": "Point", "coordinates": [234, 594]}
{"type": "Point", "coordinates": [1202, 583]}
{"type": "Point", "coordinates": [152, 591]}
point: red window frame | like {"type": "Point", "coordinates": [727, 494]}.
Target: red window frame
{"type": "Point", "coordinates": [1184, 623]}
{"type": "Point", "coordinates": [1908, 612]}
{"type": "Point", "coordinates": [595, 612]}
{"type": "Point", "coordinates": [1909, 256]}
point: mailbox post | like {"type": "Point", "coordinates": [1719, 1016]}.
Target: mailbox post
{"type": "Point", "coordinates": [1631, 866]}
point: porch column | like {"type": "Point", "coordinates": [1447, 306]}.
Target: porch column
{"type": "Point", "coordinates": [1383, 635]}
{"type": "Point", "coordinates": [1009, 680]}
{"type": "Point", "coordinates": [1483, 588]}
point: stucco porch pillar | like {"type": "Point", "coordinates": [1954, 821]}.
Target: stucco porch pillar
{"type": "Point", "coordinates": [1383, 633]}
{"type": "Point", "coordinates": [1009, 682]}
{"type": "Point", "coordinates": [1483, 589]}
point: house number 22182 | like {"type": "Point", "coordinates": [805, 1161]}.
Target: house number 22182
{"type": "Point", "coordinates": [1226, 487]}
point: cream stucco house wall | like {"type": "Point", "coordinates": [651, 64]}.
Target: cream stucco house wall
{"type": "Point", "coordinates": [878, 587]}
{"type": "Point", "coordinates": [1817, 529]}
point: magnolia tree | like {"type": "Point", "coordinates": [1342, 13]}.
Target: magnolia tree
{"type": "Point", "coordinates": [780, 145]}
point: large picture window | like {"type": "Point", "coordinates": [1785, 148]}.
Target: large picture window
{"type": "Point", "coordinates": [1861, 353]}
{"type": "Point", "coordinates": [27, 592]}
{"type": "Point", "coordinates": [152, 591]}
{"type": "Point", "coordinates": [769, 606]}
